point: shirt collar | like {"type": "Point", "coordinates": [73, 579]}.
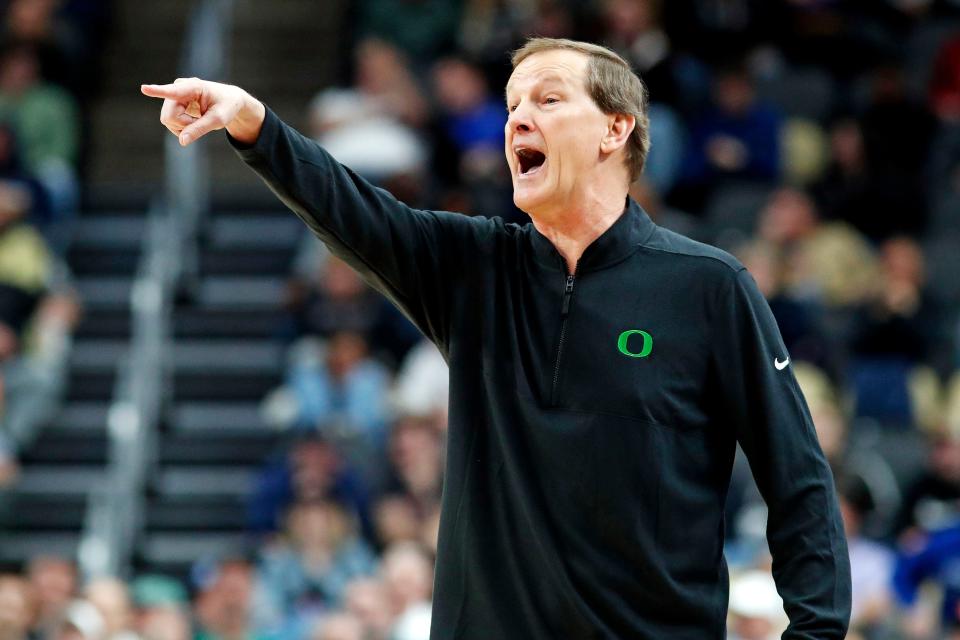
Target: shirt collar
{"type": "Point", "coordinates": [621, 239]}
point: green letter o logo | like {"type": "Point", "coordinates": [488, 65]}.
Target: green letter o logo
{"type": "Point", "coordinates": [644, 351]}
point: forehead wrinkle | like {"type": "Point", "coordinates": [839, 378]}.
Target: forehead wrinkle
{"type": "Point", "coordinates": [549, 73]}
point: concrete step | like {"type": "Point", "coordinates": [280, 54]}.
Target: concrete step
{"type": "Point", "coordinates": [105, 292]}
{"type": "Point", "coordinates": [238, 419]}
{"type": "Point", "coordinates": [176, 552]}
{"type": "Point", "coordinates": [120, 230]}
{"type": "Point", "coordinates": [283, 51]}
{"type": "Point", "coordinates": [55, 446]}
{"type": "Point", "coordinates": [60, 480]}
{"type": "Point", "coordinates": [185, 481]}
{"type": "Point", "coordinates": [83, 417]}
{"type": "Point", "coordinates": [97, 355]}
{"type": "Point", "coordinates": [256, 357]}
{"type": "Point", "coordinates": [17, 548]}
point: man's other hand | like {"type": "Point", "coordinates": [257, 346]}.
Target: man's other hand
{"type": "Point", "coordinates": [193, 107]}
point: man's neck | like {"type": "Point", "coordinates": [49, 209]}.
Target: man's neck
{"type": "Point", "coordinates": [574, 229]}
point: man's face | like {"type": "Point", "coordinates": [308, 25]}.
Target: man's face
{"type": "Point", "coordinates": [554, 131]}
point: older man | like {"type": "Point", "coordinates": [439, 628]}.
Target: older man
{"type": "Point", "coordinates": [602, 370]}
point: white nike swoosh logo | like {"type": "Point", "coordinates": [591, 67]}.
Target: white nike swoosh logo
{"type": "Point", "coordinates": [781, 365]}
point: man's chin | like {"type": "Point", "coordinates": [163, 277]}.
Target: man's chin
{"type": "Point", "coordinates": [528, 200]}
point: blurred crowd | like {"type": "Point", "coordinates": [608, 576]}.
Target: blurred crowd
{"type": "Point", "coordinates": [817, 140]}
{"type": "Point", "coordinates": [49, 52]}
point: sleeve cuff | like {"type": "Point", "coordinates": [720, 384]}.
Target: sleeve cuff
{"type": "Point", "coordinates": [268, 132]}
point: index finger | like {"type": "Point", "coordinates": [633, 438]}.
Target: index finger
{"type": "Point", "coordinates": [179, 91]}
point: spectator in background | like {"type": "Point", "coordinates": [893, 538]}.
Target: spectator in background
{"type": "Point", "coordinates": [895, 330]}
{"type": "Point", "coordinates": [26, 268]}
{"type": "Point", "coordinates": [470, 126]}
{"type": "Point", "coordinates": [37, 313]}
{"type": "Point", "coordinates": [633, 29]}
{"type": "Point", "coordinates": [413, 493]}
{"type": "Point", "coordinates": [67, 34]}
{"type": "Point", "coordinates": [311, 469]}
{"type": "Point", "coordinates": [422, 385]}
{"type": "Point", "coordinates": [871, 563]}
{"type": "Point", "coordinates": [396, 519]}
{"type": "Point", "coordinates": [416, 457]}
{"type": "Point", "coordinates": [422, 29]}
{"type": "Point", "coordinates": [553, 19]}
{"type": "Point", "coordinates": [162, 608]}
{"type": "Point", "coordinates": [31, 386]}
{"type": "Point", "coordinates": [408, 576]}
{"type": "Point", "coordinates": [16, 607]}
{"type": "Point", "coordinates": [53, 581]}
{"type": "Point", "coordinates": [111, 597]}
{"type": "Point", "coordinates": [490, 27]}
{"type": "Point", "coordinates": [12, 171]}
{"type": "Point", "coordinates": [737, 137]}
{"type": "Point", "coordinates": [334, 298]}
{"type": "Point", "coordinates": [897, 132]}
{"type": "Point", "coordinates": [414, 625]}
{"type": "Point", "coordinates": [224, 604]}
{"type": "Point", "coordinates": [756, 609]}
{"type": "Point", "coordinates": [812, 273]}
{"type": "Point", "coordinates": [307, 572]}
{"type": "Point", "coordinates": [373, 127]}
{"type": "Point", "coordinates": [369, 601]}
{"type": "Point", "coordinates": [341, 392]}
{"type": "Point", "coordinates": [650, 198]}
{"type": "Point", "coordinates": [668, 139]}
{"type": "Point", "coordinates": [338, 626]}
{"type": "Point", "coordinates": [930, 557]}
{"type": "Point", "coordinates": [47, 123]}
{"type": "Point", "coordinates": [825, 262]}
{"type": "Point", "coordinates": [846, 190]}
{"type": "Point", "coordinates": [902, 310]}
{"type": "Point", "coordinates": [80, 621]}
{"type": "Point", "coordinates": [932, 500]}
{"type": "Point", "coordinates": [712, 29]}
{"type": "Point", "coordinates": [944, 91]}
{"type": "Point", "coordinates": [819, 33]}
{"type": "Point", "coordinates": [472, 118]}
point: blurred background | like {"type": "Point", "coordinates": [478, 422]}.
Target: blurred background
{"type": "Point", "coordinates": [210, 428]}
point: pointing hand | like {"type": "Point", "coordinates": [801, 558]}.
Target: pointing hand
{"type": "Point", "coordinates": [193, 107]}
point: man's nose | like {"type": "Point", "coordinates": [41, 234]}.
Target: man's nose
{"type": "Point", "coordinates": [520, 121]}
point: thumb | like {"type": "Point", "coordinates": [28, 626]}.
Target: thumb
{"type": "Point", "coordinates": [209, 121]}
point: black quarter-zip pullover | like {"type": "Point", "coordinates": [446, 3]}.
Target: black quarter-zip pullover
{"type": "Point", "coordinates": [593, 417]}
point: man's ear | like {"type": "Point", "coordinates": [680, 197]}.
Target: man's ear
{"type": "Point", "coordinates": [619, 128]}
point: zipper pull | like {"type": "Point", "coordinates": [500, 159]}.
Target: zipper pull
{"type": "Point", "coordinates": [567, 293]}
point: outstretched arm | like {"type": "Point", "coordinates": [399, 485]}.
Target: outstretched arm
{"type": "Point", "coordinates": [416, 258]}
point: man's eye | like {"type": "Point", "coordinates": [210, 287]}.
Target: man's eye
{"type": "Point", "coordinates": [512, 108]}
{"type": "Point", "coordinates": [552, 100]}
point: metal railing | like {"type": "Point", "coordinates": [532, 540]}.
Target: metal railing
{"type": "Point", "coordinates": [115, 513]}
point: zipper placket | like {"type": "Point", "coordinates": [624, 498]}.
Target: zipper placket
{"type": "Point", "coordinates": [564, 311]}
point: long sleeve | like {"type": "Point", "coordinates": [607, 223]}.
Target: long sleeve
{"type": "Point", "coordinates": [413, 257]}
{"type": "Point", "coordinates": [773, 426]}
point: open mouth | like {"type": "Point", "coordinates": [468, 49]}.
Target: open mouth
{"type": "Point", "coordinates": [530, 160]}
